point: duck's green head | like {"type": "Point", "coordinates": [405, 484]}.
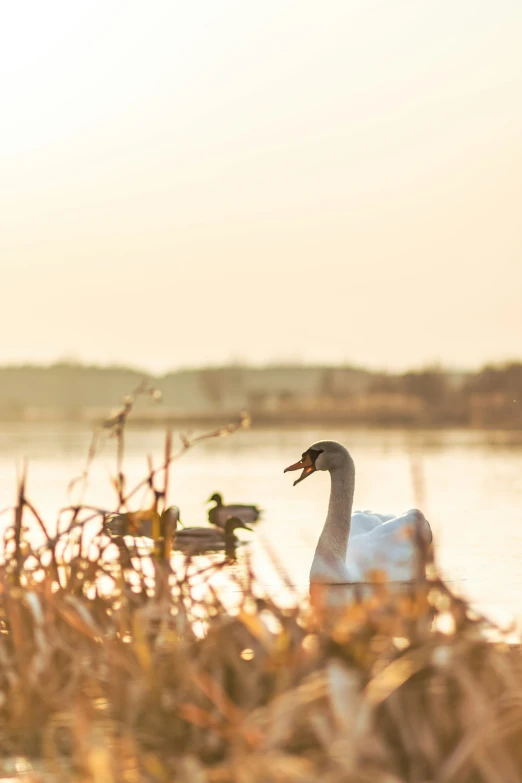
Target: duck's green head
{"type": "Point", "coordinates": [216, 498]}
{"type": "Point", "coordinates": [233, 523]}
{"type": "Point", "coordinates": [172, 516]}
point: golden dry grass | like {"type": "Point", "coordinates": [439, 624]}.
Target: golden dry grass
{"type": "Point", "coordinates": [117, 666]}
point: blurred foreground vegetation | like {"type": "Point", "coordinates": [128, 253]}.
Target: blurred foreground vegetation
{"type": "Point", "coordinates": [118, 665]}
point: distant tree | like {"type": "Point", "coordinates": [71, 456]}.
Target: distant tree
{"type": "Point", "coordinates": [220, 383]}
{"type": "Point", "coordinates": [429, 385]}
{"type": "Point", "coordinates": [384, 384]}
{"type": "Point", "coordinates": [327, 384]}
{"type": "Point", "coordinates": [212, 384]}
{"type": "Point", "coordinates": [493, 379]}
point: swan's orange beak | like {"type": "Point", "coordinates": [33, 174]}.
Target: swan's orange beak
{"type": "Point", "coordinates": [307, 466]}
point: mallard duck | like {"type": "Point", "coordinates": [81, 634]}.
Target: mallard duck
{"type": "Point", "coordinates": [142, 523]}
{"type": "Point", "coordinates": [219, 513]}
{"type": "Point", "coordinates": [195, 540]}
{"type": "Point", "coordinates": [198, 540]}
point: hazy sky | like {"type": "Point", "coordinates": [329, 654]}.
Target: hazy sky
{"type": "Point", "coordinates": [194, 181]}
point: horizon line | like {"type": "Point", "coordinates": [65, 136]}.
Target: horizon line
{"type": "Point", "coordinates": [269, 365]}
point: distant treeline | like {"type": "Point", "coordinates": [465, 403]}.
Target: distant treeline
{"type": "Point", "coordinates": [275, 394]}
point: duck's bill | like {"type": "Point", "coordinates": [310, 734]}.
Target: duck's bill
{"type": "Point", "coordinates": [306, 465]}
{"type": "Point", "coordinates": [244, 526]}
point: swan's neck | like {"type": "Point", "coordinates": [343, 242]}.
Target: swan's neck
{"type": "Point", "coordinates": [333, 541]}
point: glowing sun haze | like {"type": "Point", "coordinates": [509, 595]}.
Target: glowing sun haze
{"type": "Point", "coordinates": [195, 182]}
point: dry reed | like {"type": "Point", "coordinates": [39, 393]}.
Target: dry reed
{"type": "Point", "coordinates": [119, 666]}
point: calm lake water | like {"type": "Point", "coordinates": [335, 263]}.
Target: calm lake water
{"type": "Point", "coordinates": [469, 485]}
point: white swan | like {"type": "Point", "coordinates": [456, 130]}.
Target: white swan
{"type": "Point", "coordinates": [363, 547]}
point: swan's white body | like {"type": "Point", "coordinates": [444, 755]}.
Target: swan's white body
{"type": "Point", "coordinates": [380, 546]}
{"type": "Point", "coordinates": [364, 547]}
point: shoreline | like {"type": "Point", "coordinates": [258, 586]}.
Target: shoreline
{"type": "Point", "coordinates": [257, 420]}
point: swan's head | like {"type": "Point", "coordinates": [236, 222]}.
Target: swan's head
{"type": "Point", "coordinates": [323, 455]}
{"type": "Point", "coordinates": [216, 498]}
